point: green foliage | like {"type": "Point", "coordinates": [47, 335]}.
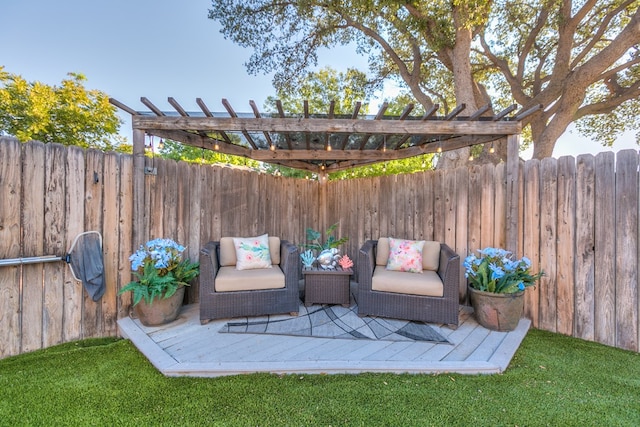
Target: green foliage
{"type": "Point", "coordinates": [67, 114]}
{"type": "Point", "coordinates": [330, 240]}
{"type": "Point", "coordinates": [552, 380]}
{"type": "Point", "coordinates": [392, 167]}
{"type": "Point", "coordinates": [186, 153]}
{"type": "Point", "coordinates": [321, 88]}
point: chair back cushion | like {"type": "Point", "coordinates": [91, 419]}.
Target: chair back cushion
{"type": "Point", "coordinates": [430, 254]}
{"type": "Point", "coordinates": [228, 251]}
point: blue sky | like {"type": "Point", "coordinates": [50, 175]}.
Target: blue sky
{"type": "Point", "coordinates": [156, 49]}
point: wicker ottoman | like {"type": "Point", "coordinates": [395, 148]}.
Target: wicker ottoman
{"type": "Point", "coordinates": [327, 286]}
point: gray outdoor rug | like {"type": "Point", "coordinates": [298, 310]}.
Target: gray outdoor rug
{"type": "Point", "coordinates": [335, 321]}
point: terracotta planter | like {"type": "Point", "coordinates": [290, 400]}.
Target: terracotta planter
{"type": "Point", "coordinates": [498, 312]}
{"type": "Point", "coordinates": [160, 311]}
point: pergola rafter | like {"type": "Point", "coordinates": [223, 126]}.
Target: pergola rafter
{"type": "Point", "coordinates": [324, 142]}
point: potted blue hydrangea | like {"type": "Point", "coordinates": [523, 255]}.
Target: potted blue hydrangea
{"type": "Point", "coordinates": [161, 273]}
{"type": "Point", "coordinates": [497, 282]}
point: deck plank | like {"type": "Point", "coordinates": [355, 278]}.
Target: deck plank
{"type": "Point", "coordinates": [187, 348]}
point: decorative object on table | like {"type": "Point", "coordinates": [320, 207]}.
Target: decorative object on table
{"type": "Point", "coordinates": [497, 283]}
{"type": "Point", "coordinates": [345, 262]}
{"type": "Point", "coordinates": [307, 258]}
{"type": "Point", "coordinates": [161, 274]}
{"type": "Point", "coordinates": [328, 259]}
{"type": "Point", "coordinates": [328, 252]}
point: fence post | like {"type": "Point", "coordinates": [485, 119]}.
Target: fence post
{"type": "Point", "coordinates": [138, 235]}
{"type": "Point", "coordinates": [513, 190]}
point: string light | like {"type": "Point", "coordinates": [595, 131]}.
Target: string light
{"type": "Point", "coordinates": [492, 149]}
{"type": "Point", "coordinates": [272, 147]}
{"type": "Point", "coordinates": [216, 146]}
{"type": "Point", "coordinates": [471, 157]}
{"type": "Point", "coordinates": [161, 144]}
{"type": "Point", "coordinates": [328, 147]}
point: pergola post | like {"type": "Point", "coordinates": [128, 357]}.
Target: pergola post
{"type": "Point", "coordinates": [323, 178]}
{"type": "Point", "coordinates": [139, 235]}
{"type": "Point", "coordinates": [513, 193]}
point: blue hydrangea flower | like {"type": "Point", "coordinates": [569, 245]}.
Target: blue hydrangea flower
{"type": "Point", "coordinates": [163, 254]}
{"type": "Point", "coordinates": [496, 271]}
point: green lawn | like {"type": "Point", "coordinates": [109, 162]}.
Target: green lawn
{"type": "Point", "coordinates": [552, 380]}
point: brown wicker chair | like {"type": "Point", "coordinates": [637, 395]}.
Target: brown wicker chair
{"type": "Point", "coordinates": [407, 306]}
{"type": "Point", "coordinates": [216, 305]}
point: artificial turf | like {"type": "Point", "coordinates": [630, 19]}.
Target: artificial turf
{"type": "Point", "coordinates": [552, 380]}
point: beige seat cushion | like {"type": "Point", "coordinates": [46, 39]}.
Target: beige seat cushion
{"type": "Point", "coordinates": [228, 251]}
{"type": "Point", "coordinates": [428, 283]}
{"type": "Point", "coordinates": [430, 254]}
{"type": "Point", "coordinates": [229, 279]}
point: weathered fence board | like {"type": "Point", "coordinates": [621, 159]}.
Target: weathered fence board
{"type": "Point", "coordinates": [92, 324]}
{"type": "Point", "coordinates": [475, 219]}
{"type": "Point", "coordinates": [33, 245]}
{"type": "Point", "coordinates": [627, 250]}
{"type": "Point", "coordinates": [584, 249]}
{"type": "Point", "coordinates": [125, 233]}
{"type": "Point", "coordinates": [548, 240]}
{"type": "Point", "coordinates": [111, 239]}
{"type": "Point", "coordinates": [605, 246]}
{"type": "Point", "coordinates": [74, 224]}
{"type": "Point", "coordinates": [578, 221]}
{"type": "Point", "coordinates": [462, 214]}
{"type": "Point", "coordinates": [566, 247]}
{"type": "Point", "coordinates": [10, 195]}
{"type": "Point", "coordinates": [531, 234]}
{"type": "Point", "coordinates": [54, 238]}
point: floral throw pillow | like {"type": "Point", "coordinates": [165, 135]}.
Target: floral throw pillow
{"type": "Point", "coordinates": [252, 252]}
{"type": "Point", "coordinates": [405, 255]}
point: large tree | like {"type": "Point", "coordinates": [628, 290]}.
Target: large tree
{"type": "Point", "coordinates": [585, 51]}
{"type": "Point", "coordinates": [67, 114]}
{"type": "Point", "coordinates": [580, 60]}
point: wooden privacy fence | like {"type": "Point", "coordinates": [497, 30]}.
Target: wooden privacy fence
{"type": "Point", "coordinates": [578, 221]}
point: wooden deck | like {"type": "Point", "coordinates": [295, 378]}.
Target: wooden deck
{"type": "Point", "coordinates": [186, 348]}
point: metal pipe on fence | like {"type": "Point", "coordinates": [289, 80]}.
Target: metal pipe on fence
{"type": "Point", "coordinates": [29, 260]}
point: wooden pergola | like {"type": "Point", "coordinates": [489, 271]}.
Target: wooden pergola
{"type": "Point", "coordinates": [329, 142]}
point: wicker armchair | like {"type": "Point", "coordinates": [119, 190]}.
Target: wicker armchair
{"type": "Point", "coordinates": [216, 305]}
{"type": "Point", "coordinates": [407, 306]}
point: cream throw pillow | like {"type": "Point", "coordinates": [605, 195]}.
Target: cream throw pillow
{"type": "Point", "coordinates": [252, 252]}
